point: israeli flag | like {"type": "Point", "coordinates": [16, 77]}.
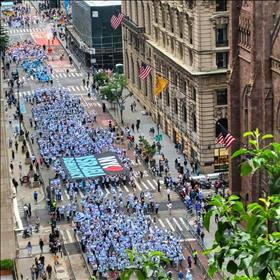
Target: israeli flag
{"type": "Point", "coordinates": [80, 217]}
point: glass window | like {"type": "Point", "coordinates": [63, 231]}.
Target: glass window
{"type": "Point", "coordinates": [221, 36]}
{"type": "Point", "coordinates": [222, 59]}
{"type": "Point", "coordinates": [221, 5]}
{"type": "Point", "coordinates": [194, 122]}
{"type": "Point", "coordinates": [184, 113]}
{"type": "Point", "coordinates": [222, 97]}
{"type": "Point", "coordinates": [176, 106]}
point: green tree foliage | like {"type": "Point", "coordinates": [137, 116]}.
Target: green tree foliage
{"type": "Point", "coordinates": [101, 78]}
{"type": "Point", "coordinates": [148, 149]}
{"type": "Point", "coordinates": [247, 240]}
{"type": "Point", "coordinates": [146, 266]}
{"type": "Point", "coordinates": [4, 39]}
{"type": "Point", "coordinates": [260, 156]}
{"type": "Point", "coordinates": [113, 91]}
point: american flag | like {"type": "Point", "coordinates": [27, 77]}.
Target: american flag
{"type": "Point", "coordinates": [225, 138]}
{"type": "Point", "coordinates": [144, 71]}
{"type": "Point", "coordinates": [117, 20]}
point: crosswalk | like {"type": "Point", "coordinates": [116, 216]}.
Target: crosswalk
{"type": "Point", "coordinates": [24, 30]}
{"type": "Point", "coordinates": [57, 76]}
{"type": "Point", "coordinates": [77, 90]}
{"type": "Point", "coordinates": [33, 207]}
{"type": "Point", "coordinates": [170, 224]}
{"type": "Point", "coordinates": [144, 185]}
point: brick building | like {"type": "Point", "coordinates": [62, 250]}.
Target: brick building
{"type": "Point", "coordinates": [185, 42]}
{"type": "Point", "coordinates": [254, 81]}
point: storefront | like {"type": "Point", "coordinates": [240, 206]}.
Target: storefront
{"type": "Point", "coordinates": [221, 160]}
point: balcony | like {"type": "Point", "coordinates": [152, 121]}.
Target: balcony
{"type": "Point", "coordinates": [133, 26]}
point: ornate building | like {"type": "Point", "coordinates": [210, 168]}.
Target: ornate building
{"type": "Point", "coordinates": [254, 82]}
{"type": "Point", "coordinates": [185, 42]}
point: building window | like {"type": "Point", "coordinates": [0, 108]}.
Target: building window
{"type": "Point", "coordinates": [156, 8]}
{"type": "Point", "coordinates": [176, 106]}
{"type": "Point", "coordinates": [190, 33]}
{"type": "Point", "coordinates": [221, 36]}
{"type": "Point", "coordinates": [222, 59]}
{"type": "Point", "coordinates": [185, 116]}
{"type": "Point", "coordinates": [194, 122]}
{"type": "Point", "coordinates": [181, 51]}
{"type": "Point", "coordinates": [221, 5]}
{"type": "Point", "coordinates": [193, 93]}
{"type": "Point", "coordinates": [222, 97]}
{"type": "Point", "coordinates": [167, 98]}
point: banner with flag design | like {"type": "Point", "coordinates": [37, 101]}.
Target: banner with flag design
{"type": "Point", "coordinates": [117, 20]}
{"type": "Point", "coordinates": [161, 84]}
{"type": "Point", "coordinates": [144, 71]}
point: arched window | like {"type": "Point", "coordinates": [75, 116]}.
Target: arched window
{"type": "Point", "coordinates": [156, 9]}
{"type": "Point", "coordinates": [190, 58]}
{"type": "Point", "coordinates": [180, 24]}
{"type": "Point", "coordinates": [142, 14]}
{"type": "Point", "coordinates": [171, 20]}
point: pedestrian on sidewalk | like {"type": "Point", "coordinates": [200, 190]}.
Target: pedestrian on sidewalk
{"type": "Point", "coordinates": [67, 71]}
{"type": "Point", "coordinates": [10, 142]}
{"type": "Point", "coordinates": [202, 235]}
{"type": "Point", "coordinates": [16, 146]}
{"type": "Point", "coordinates": [131, 107]}
{"type": "Point", "coordinates": [138, 124]}
{"type": "Point", "coordinates": [42, 260]}
{"type": "Point", "coordinates": [29, 210]}
{"type": "Point", "coordinates": [156, 208]}
{"type": "Point", "coordinates": [35, 196]}
{"type": "Point", "coordinates": [41, 244]}
{"type": "Point", "coordinates": [11, 167]}
{"type": "Point", "coordinates": [189, 260]}
{"type": "Point", "coordinates": [32, 269]}
{"type": "Point", "coordinates": [180, 275]}
{"type": "Point", "coordinates": [103, 107]}
{"type": "Point", "coordinates": [87, 83]}
{"type": "Point", "coordinates": [29, 248]}
{"type": "Point", "coordinates": [15, 183]}
{"type": "Point", "coordinates": [49, 271]}
{"type": "Point", "coordinates": [13, 154]}
{"type": "Point", "coordinates": [84, 82]}
{"type": "Point", "coordinates": [169, 206]}
{"type": "Point", "coordinates": [158, 185]}
{"type": "Point", "coordinates": [216, 218]}
{"type": "Point", "coordinates": [168, 191]}
{"type": "Point", "coordinates": [132, 127]}
{"type": "Point", "coordinates": [195, 256]}
{"type": "Point", "coordinates": [20, 167]}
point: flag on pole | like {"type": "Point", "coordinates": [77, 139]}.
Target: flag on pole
{"type": "Point", "coordinates": [144, 71]}
{"type": "Point", "coordinates": [117, 20]}
{"type": "Point", "coordinates": [225, 138]}
{"type": "Point", "coordinates": [161, 85]}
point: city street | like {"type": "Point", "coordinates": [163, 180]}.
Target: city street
{"type": "Point", "coordinates": [177, 221]}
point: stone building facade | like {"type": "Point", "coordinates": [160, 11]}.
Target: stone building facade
{"type": "Point", "coordinates": [185, 42]}
{"type": "Point", "coordinates": [254, 81]}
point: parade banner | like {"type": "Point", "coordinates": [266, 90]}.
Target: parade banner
{"type": "Point", "coordinates": [92, 166]}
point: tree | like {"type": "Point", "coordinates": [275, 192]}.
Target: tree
{"type": "Point", "coordinates": [260, 156]}
{"type": "Point", "coordinates": [101, 78]}
{"type": "Point", "coordinates": [113, 91]}
{"type": "Point", "coordinates": [146, 266]}
{"type": "Point", "coordinates": [247, 240]}
{"type": "Point", "coordinates": [4, 40]}
{"type": "Point", "coordinates": [148, 149]}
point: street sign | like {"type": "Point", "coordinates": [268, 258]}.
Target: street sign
{"type": "Point", "coordinates": [158, 137]}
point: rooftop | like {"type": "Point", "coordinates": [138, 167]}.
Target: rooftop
{"type": "Point", "coordinates": [104, 3]}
